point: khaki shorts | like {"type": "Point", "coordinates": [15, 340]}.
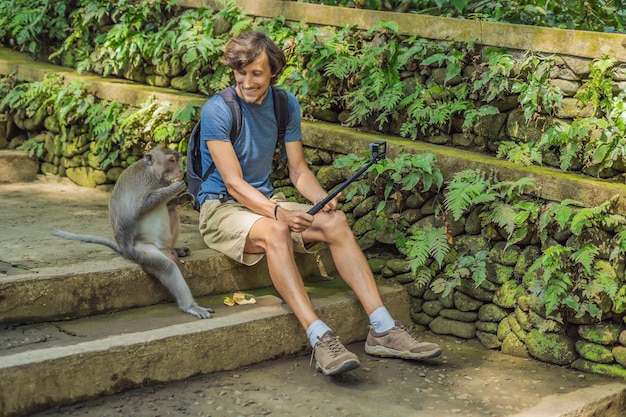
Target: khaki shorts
{"type": "Point", "coordinates": [225, 227]}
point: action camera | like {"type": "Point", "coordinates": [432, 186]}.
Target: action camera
{"type": "Point", "coordinates": [378, 149]}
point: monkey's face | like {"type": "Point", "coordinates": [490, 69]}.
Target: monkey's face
{"type": "Point", "coordinates": [164, 164]}
{"type": "Point", "coordinates": [173, 171]}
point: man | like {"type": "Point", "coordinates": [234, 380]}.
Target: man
{"type": "Point", "coordinates": [241, 217]}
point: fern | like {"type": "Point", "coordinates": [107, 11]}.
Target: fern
{"type": "Point", "coordinates": [423, 245]}
{"type": "Point", "coordinates": [588, 217]}
{"type": "Point", "coordinates": [598, 88]}
{"type": "Point", "coordinates": [525, 154]}
{"type": "Point", "coordinates": [619, 243]}
{"type": "Point", "coordinates": [585, 257]}
{"type": "Point", "coordinates": [462, 268]}
{"type": "Point", "coordinates": [466, 189]}
{"type": "Point", "coordinates": [423, 276]}
{"type": "Point", "coordinates": [503, 215]}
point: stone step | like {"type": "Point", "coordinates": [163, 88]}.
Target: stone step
{"type": "Point", "coordinates": [102, 286]}
{"type": "Point", "coordinates": [86, 358]}
{"type": "Point", "coordinates": [17, 166]}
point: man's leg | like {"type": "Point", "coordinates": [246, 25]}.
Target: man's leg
{"type": "Point", "coordinates": [332, 228]}
{"type": "Point", "coordinates": [274, 238]}
{"type": "Point", "coordinates": [387, 337]}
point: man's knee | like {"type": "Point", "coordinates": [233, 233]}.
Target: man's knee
{"type": "Point", "coordinates": [277, 234]}
{"type": "Point", "coordinates": [335, 225]}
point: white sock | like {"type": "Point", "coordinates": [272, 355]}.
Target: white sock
{"type": "Point", "coordinates": [316, 330]}
{"type": "Point", "coordinates": [381, 320]}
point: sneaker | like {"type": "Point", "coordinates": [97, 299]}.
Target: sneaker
{"type": "Point", "coordinates": [399, 343]}
{"type": "Point", "coordinates": [331, 357]}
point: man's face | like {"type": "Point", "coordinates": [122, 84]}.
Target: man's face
{"type": "Point", "coordinates": [254, 79]}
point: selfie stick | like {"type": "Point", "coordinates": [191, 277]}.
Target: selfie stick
{"type": "Point", "coordinates": [378, 150]}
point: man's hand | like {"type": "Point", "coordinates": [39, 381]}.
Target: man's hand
{"type": "Point", "coordinates": [298, 221]}
{"type": "Point", "coordinates": [331, 205]}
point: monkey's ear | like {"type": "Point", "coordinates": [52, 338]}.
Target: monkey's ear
{"type": "Point", "coordinates": [148, 159]}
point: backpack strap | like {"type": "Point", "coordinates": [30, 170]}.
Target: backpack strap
{"type": "Point", "coordinates": [281, 111]}
{"type": "Point", "coordinates": [232, 100]}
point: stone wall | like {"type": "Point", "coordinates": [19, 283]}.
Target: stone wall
{"type": "Point", "coordinates": [501, 312]}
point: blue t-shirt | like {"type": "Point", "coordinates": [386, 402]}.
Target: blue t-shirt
{"type": "Point", "coordinates": [255, 145]}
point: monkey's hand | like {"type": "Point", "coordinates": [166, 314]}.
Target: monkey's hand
{"type": "Point", "coordinates": [199, 312]}
{"type": "Point", "coordinates": [177, 187]}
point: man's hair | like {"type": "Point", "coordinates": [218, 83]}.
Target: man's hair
{"type": "Point", "coordinates": [247, 47]}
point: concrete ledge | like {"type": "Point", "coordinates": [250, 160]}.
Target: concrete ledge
{"type": "Point", "coordinates": [98, 287]}
{"type": "Point", "coordinates": [552, 183]}
{"type": "Point", "coordinates": [607, 400]}
{"type": "Point", "coordinates": [109, 88]}
{"type": "Point", "coordinates": [580, 43]}
{"type": "Point", "coordinates": [45, 377]}
{"type": "Point", "coordinates": [17, 166]}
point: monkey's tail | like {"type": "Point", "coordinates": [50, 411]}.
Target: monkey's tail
{"type": "Point", "coordinates": [88, 239]}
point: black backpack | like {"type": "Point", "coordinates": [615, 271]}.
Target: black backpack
{"type": "Point", "coordinates": [196, 175]}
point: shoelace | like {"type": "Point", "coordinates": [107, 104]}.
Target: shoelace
{"type": "Point", "coordinates": [334, 345]}
{"type": "Point", "coordinates": [336, 348]}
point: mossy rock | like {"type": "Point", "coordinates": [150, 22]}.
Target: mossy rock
{"type": "Point", "coordinates": [594, 352]}
{"type": "Point", "coordinates": [599, 369]}
{"type": "Point", "coordinates": [619, 353]}
{"type": "Point", "coordinates": [492, 313]}
{"type": "Point", "coordinates": [442, 325]}
{"type": "Point", "coordinates": [432, 308]}
{"type": "Point", "coordinates": [399, 266]}
{"type": "Point", "coordinates": [554, 348]}
{"type": "Point", "coordinates": [504, 328]}
{"type": "Point", "coordinates": [504, 255]}
{"type": "Point", "coordinates": [376, 264]}
{"type": "Point", "coordinates": [464, 302]}
{"type": "Point", "coordinates": [498, 273]}
{"type": "Point", "coordinates": [365, 207]}
{"type": "Point", "coordinates": [601, 333]}
{"type": "Point", "coordinates": [466, 316]}
{"type": "Point", "coordinates": [542, 324]}
{"type": "Point", "coordinates": [523, 319]}
{"type": "Point", "coordinates": [512, 345]}
{"type": "Point", "coordinates": [86, 177]}
{"type": "Point", "coordinates": [422, 319]}
{"type": "Point", "coordinates": [482, 293]}
{"type": "Point", "coordinates": [487, 327]}
{"type": "Point", "coordinates": [365, 224]}
{"type": "Point", "coordinates": [506, 296]}
{"type": "Point", "coordinates": [405, 278]}
{"type": "Point", "coordinates": [488, 340]}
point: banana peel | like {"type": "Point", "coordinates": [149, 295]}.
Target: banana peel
{"type": "Point", "coordinates": [239, 298]}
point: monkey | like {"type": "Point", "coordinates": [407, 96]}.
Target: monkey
{"type": "Point", "coordinates": [143, 214]}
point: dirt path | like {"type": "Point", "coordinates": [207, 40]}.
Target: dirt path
{"type": "Point", "coordinates": [467, 381]}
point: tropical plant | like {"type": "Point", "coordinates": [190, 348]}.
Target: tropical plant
{"type": "Point", "coordinates": [24, 23]}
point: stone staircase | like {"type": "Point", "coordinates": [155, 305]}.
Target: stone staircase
{"type": "Point", "coordinates": [79, 331]}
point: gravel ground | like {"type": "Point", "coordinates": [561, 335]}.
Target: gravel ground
{"type": "Point", "coordinates": [467, 380]}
